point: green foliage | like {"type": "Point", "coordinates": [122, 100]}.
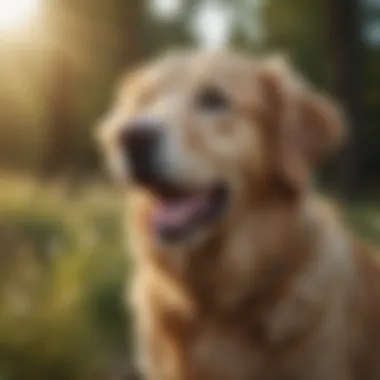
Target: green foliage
{"type": "Point", "coordinates": [299, 28]}
{"type": "Point", "coordinates": [364, 218]}
{"type": "Point", "coordinates": [61, 284]}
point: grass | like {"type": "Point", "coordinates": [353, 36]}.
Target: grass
{"type": "Point", "coordinates": [63, 265]}
{"type": "Point", "coordinates": [61, 285]}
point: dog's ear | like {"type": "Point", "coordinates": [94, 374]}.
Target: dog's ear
{"type": "Point", "coordinates": [304, 125]}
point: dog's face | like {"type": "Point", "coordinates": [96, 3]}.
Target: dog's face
{"type": "Point", "coordinates": [209, 134]}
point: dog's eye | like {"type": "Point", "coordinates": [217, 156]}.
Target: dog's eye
{"type": "Point", "coordinates": [211, 99]}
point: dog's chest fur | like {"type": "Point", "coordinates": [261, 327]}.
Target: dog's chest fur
{"type": "Point", "coordinates": [244, 319]}
{"type": "Point", "coordinates": [278, 343]}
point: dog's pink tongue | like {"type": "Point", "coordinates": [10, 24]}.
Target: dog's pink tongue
{"type": "Point", "coordinates": [178, 212]}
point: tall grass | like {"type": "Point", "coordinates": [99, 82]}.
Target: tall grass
{"type": "Point", "coordinates": [62, 266]}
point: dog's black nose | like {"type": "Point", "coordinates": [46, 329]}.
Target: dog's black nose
{"type": "Point", "coordinates": [141, 135]}
{"type": "Point", "coordinates": [141, 140]}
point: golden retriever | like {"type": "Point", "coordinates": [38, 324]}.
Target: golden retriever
{"type": "Point", "coordinates": [240, 273]}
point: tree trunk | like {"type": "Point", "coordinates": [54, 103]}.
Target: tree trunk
{"type": "Point", "coordinates": [347, 72]}
{"type": "Point", "coordinates": [133, 32]}
{"type": "Point", "coordinates": [57, 158]}
{"type": "Point", "coordinates": [61, 134]}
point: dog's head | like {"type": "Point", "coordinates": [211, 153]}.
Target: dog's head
{"type": "Point", "coordinates": [209, 134]}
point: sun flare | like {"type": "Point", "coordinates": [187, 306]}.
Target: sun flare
{"type": "Point", "coordinates": [14, 13]}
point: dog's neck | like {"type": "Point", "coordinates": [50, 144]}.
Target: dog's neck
{"type": "Point", "coordinates": [252, 262]}
{"type": "Point", "coordinates": [255, 258]}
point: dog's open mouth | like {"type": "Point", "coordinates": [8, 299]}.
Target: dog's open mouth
{"type": "Point", "coordinates": [179, 213]}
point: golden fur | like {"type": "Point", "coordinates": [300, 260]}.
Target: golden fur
{"type": "Point", "coordinates": [275, 289]}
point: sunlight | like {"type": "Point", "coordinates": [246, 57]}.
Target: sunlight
{"type": "Point", "coordinates": [166, 9]}
{"type": "Point", "coordinates": [16, 12]}
{"type": "Point", "coordinates": [212, 24]}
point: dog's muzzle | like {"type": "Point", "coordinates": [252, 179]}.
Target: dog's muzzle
{"type": "Point", "coordinates": [180, 210]}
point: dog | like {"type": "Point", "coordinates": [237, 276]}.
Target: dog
{"type": "Point", "coordinates": [241, 271]}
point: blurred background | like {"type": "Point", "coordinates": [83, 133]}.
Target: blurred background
{"type": "Point", "coordinates": [62, 256]}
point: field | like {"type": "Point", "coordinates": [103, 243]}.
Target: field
{"type": "Point", "coordinates": [62, 267]}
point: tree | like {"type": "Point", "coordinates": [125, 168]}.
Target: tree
{"type": "Point", "coordinates": [75, 31]}
{"type": "Point", "coordinates": [347, 57]}
{"type": "Point", "coordinates": [60, 140]}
